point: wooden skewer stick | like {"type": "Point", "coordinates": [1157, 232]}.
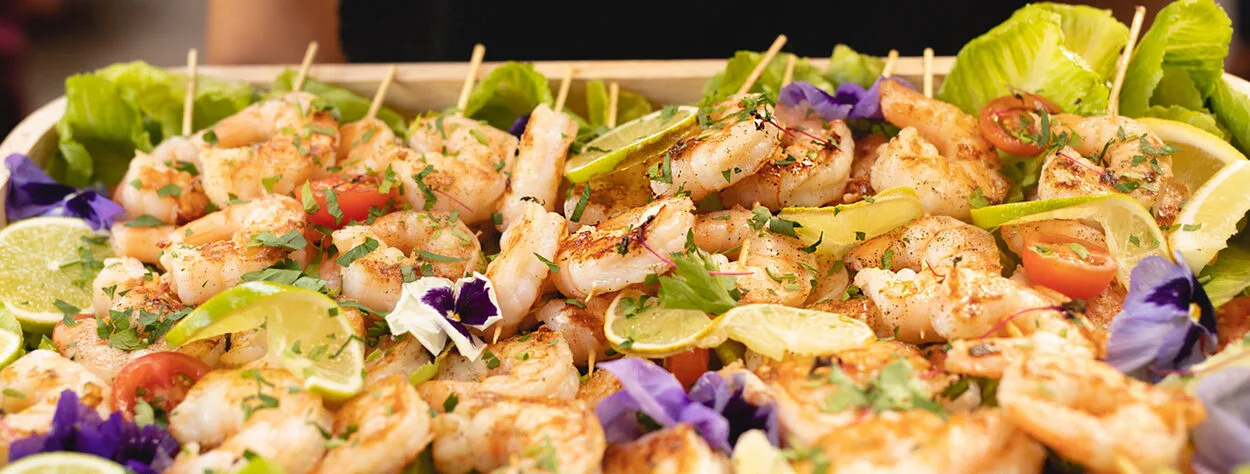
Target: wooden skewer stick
{"type": "Point", "coordinates": [590, 365]}
{"type": "Point", "coordinates": [309, 54]}
{"type": "Point", "coordinates": [1125, 465]}
{"type": "Point", "coordinates": [614, 97]}
{"type": "Point", "coordinates": [475, 62]}
{"type": "Point", "coordinates": [189, 102]}
{"type": "Point", "coordinates": [764, 62]}
{"type": "Point", "coordinates": [788, 75]}
{"type": "Point", "coordinates": [380, 95]}
{"type": "Point", "coordinates": [890, 59]}
{"type": "Point", "coordinates": [1113, 103]}
{"type": "Point", "coordinates": [495, 338]}
{"type": "Point", "coordinates": [928, 72]}
{"type": "Point", "coordinates": [1013, 330]}
{"type": "Point", "coordinates": [564, 89]}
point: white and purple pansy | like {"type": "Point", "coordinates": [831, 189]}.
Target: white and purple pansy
{"type": "Point", "coordinates": [434, 309]}
{"type": "Point", "coordinates": [32, 193]}
{"type": "Point", "coordinates": [714, 407]}
{"type": "Point", "coordinates": [1167, 324]}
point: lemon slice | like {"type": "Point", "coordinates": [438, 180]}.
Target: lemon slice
{"type": "Point", "coordinates": [63, 463]}
{"type": "Point", "coordinates": [638, 324]}
{"type": "Point", "coordinates": [1201, 154]}
{"type": "Point", "coordinates": [37, 267]}
{"type": "Point", "coordinates": [1132, 233]}
{"type": "Point", "coordinates": [1210, 217]}
{"type": "Point", "coordinates": [305, 330]}
{"type": "Point", "coordinates": [753, 453]}
{"type": "Point", "coordinates": [631, 143]}
{"type": "Point", "coordinates": [774, 330]}
{"type": "Point", "coordinates": [841, 228]}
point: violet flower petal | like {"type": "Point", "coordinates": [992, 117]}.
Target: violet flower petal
{"type": "Point", "coordinates": [92, 207]}
{"type": "Point", "coordinates": [869, 105]}
{"type": "Point", "coordinates": [475, 301]}
{"type": "Point", "coordinates": [1154, 334]}
{"type": "Point", "coordinates": [1222, 440]}
{"type": "Point", "coordinates": [711, 390]}
{"type": "Point", "coordinates": [518, 126]}
{"type": "Point", "coordinates": [709, 423]}
{"type": "Point", "coordinates": [798, 92]}
{"type": "Point", "coordinates": [78, 428]}
{"type": "Point", "coordinates": [655, 390]}
{"type": "Point", "coordinates": [33, 193]}
{"type": "Point", "coordinates": [618, 415]}
{"type": "Point", "coordinates": [441, 298]}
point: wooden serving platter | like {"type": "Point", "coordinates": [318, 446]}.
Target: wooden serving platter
{"type": "Point", "coordinates": [420, 87]}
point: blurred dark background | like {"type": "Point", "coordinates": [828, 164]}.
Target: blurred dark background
{"type": "Point", "coordinates": [43, 41]}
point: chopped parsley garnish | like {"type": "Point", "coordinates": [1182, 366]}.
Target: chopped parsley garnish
{"type": "Point", "coordinates": [692, 286]}
{"type": "Point", "coordinates": [145, 220]}
{"type": "Point", "coordinates": [292, 239]}
{"type": "Point", "coordinates": [369, 245]}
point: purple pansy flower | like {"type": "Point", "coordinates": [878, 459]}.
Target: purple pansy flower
{"type": "Point", "coordinates": [78, 428]}
{"type": "Point", "coordinates": [33, 193]}
{"type": "Point", "coordinates": [518, 127]}
{"type": "Point", "coordinates": [715, 407]}
{"type": "Point", "coordinates": [849, 101]}
{"type": "Point", "coordinates": [1167, 324]}
{"type": "Point", "coordinates": [434, 309]}
{"type": "Point", "coordinates": [1222, 440]}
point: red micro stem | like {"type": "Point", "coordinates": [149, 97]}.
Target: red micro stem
{"type": "Point", "coordinates": [643, 241]}
{"type": "Point", "coordinates": [1008, 319]}
{"type": "Point", "coordinates": [457, 201]}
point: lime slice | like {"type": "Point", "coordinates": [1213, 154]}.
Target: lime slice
{"type": "Point", "coordinates": [638, 324]}
{"type": "Point", "coordinates": [631, 142]}
{"type": "Point", "coordinates": [1132, 233]}
{"type": "Point", "coordinates": [63, 463]}
{"type": "Point", "coordinates": [753, 453]}
{"type": "Point", "coordinates": [840, 228]}
{"type": "Point", "coordinates": [773, 330]}
{"type": "Point", "coordinates": [1201, 154]}
{"type": "Point", "coordinates": [10, 347]}
{"type": "Point", "coordinates": [37, 267]}
{"type": "Point", "coordinates": [1210, 217]}
{"type": "Point", "coordinates": [304, 330]}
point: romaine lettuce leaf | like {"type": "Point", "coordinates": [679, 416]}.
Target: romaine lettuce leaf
{"type": "Point", "coordinates": [727, 82]}
{"type": "Point", "coordinates": [846, 65]}
{"type": "Point", "coordinates": [508, 92]}
{"type": "Point", "coordinates": [629, 106]}
{"type": "Point", "coordinates": [1232, 108]}
{"type": "Point", "coordinates": [124, 107]}
{"type": "Point", "coordinates": [1229, 275]}
{"type": "Point", "coordinates": [1092, 33]}
{"type": "Point", "coordinates": [1026, 52]}
{"type": "Point", "coordinates": [1199, 118]}
{"type": "Point", "coordinates": [351, 106]}
{"type": "Point", "coordinates": [1188, 36]}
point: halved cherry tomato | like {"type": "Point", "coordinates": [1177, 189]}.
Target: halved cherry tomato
{"type": "Point", "coordinates": [688, 366]}
{"type": "Point", "coordinates": [355, 197]}
{"type": "Point", "coordinates": [1002, 123]}
{"type": "Point", "coordinates": [1076, 269]}
{"type": "Point", "coordinates": [161, 378]}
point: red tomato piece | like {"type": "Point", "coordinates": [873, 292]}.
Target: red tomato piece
{"type": "Point", "coordinates": [354, 197]}
{"type": "Point", "coordinates": [1003, 123]}
{"type": "Point", "coordinates": [688, 366]}
{"type": "Point", "coordinates": [1077, 269]}
{"type": "Point", "coordinates": [160, 378]}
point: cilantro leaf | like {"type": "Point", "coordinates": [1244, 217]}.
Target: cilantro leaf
{"type": "Point", "coordinates": [692, 286]}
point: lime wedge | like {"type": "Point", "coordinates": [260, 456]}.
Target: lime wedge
{"type": "Point", "coordinates": [753, 453]}
{"type": "Point", "coordinates": [63, 463]}
{"type": "Point", "coordinates": [304, 327]}
{"type": "Point", "coordinates": [774, 330]}
{"type": "Point", "coordinates": [1201, 154]}
{"type": "Point", "coordinates": [10, 347]}
{"type": "Point", "coordinates": [1210, 217]}
{"type": "Point", "coordinates": [38, 267]}
{"type": "Point", "coordinates": [631, 143]}
{"type": "Point", "coordinates": [638, 324]}
{"type": "Point", "coordinates": [1132, 233]}
{"type": "Point", "coordinates": [841, 228]}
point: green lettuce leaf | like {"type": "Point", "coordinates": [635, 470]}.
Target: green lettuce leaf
{"type": "Point", "coordinates": [727, 82]}
{"type": "Point", "coordinates": [1199, 118]}
{"type": "Point", "coordinates": [847, 65]}
{"type": "Point", "coordinates": [1188, 37]}
{"type": "Point", "coordinates": [112, 112]}
{"type": "Point", "coordinates": [1229, 275]}
{"type": "Point", "coordinates": [1092, 33]}
{"type": "Point", "coordinates": [351, 106]}
{"type": "Point", "coordinates": [1027, 52]}
{"type": "Point", "coordinates": [508, 92]}
{"type": "Point", "coordinates": [629, 106]}
{"type": "Point", "coordinates": [1232, 108]}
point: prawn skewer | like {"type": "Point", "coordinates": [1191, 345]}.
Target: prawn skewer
{"type": "Point", "coordinates": [189, 102]}
{"type": "Point", "coordinates": [1113, 104]}
{"type": "Point", "coordinates": [475, 63]}
{"type": "Point", "coordinates": [764, 61]}
{"type": "Point", "coordinates": [309, 54]}
{"type": "Point", "coordinates": [614, 96]}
